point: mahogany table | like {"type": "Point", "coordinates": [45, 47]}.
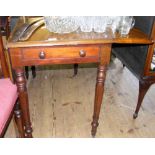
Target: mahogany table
{"type": "Point", "coordinates": [44, 48]}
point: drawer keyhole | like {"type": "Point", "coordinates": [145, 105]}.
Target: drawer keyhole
{"type": "Point", "coordinates": [82, 53]}
{"type": "Point", "coordinates": [42, 55]}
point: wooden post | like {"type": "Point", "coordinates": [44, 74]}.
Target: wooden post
{"type": "Point", "coordinates": [105, 52]}
{"type": "Point", "coordinates": [23, 98]}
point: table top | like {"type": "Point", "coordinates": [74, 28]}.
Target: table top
{"type": "Point", "coordinates": [42, 37]}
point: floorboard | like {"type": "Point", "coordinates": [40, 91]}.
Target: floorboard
{"type": "Point", "coordinates": [61, 105]}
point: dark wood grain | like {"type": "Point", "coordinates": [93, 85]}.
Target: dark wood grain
{"type": "Point", "coordinates": [101, 75]}
{"type": "Point", "coordinates": [18, 120]}
{"type": "Point", "coordinates": [23, 98]}
{"type": "Point", "coordinates": [150, 55]}
{"type": "Point", "coordinates": [4, 65]}
{"type": "Point", "coordinates": [45, 47]}
{"type": "Point", "coordinates": [148, 77]}
{"type": "Point", "coordinates": [12, 110]}
{"type": "Point", "coordinates": [42, 37]}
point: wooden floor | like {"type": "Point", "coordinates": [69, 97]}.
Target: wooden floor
{"type": "Point", "coordinates": [62, 105]}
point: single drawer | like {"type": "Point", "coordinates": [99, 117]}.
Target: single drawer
{"type": "Point", "coordinates": [40, 53]}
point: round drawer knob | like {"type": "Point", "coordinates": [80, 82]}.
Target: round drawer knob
{"type": "Point", "coordinates": [42, 55]}
{"type": "Point", "coordinates": [82, 53]}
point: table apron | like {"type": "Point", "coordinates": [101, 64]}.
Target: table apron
{"type": "Point", "coordinates": [56, 55]}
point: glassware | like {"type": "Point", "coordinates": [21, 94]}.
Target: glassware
{"type": "Point", "coordinates": [61, 24]}
{"type": "Point", "coordinates": [126, 24]}
{"type": "Point", "coordinates": [115, 23]}
{"type": "Point", "coordinates": [85, 23]}
{"type": "Point", "coordinates": [100, 23]}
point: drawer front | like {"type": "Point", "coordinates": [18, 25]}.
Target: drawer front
{"type": "Point", "coordinates": [59, 52]}
{"type": "Point", "coordinates": [54, 55]}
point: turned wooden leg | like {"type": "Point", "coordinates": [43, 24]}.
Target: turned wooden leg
{"type": "Point", "coordinates": [18, 120]}
{"type": "Point", "coordinates": [27, 72]}
{"type": "Point", "coordinates": [23, 99]}
{"type": "Point", "coordinates": [75, 69]}
{"type": "Point", "coordinates": [101, 74]}
{"type": "Point", "coordinates": [33, 68]}
{"type": "Point", "coordinates": [143, 88]}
